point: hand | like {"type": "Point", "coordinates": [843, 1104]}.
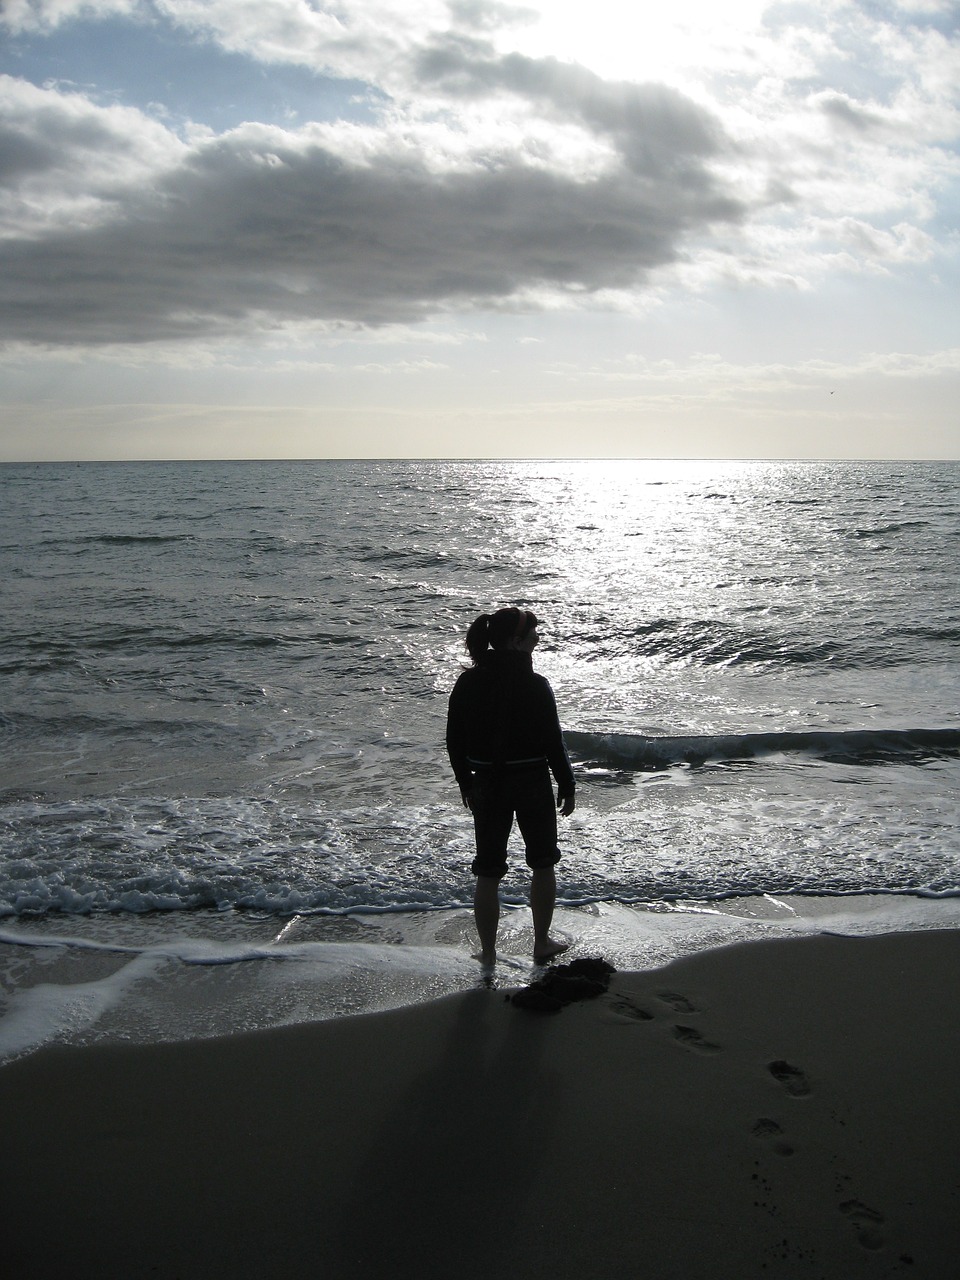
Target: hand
{"type": "Point", "coordinates": [566, 804]}
{"type": "Point", "coordinates": [466, 795]}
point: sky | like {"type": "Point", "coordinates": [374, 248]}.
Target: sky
{"type": "Point", "coordinates": [466, 228]}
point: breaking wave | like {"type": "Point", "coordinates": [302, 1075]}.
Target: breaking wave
{"type": "Point", "coordinates": [845, 746]}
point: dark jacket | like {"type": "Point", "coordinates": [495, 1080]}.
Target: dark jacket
{"type": "Point", "coordinates": [502, 713]}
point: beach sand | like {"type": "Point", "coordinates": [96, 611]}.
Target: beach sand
{"type": "Point", "coordinates": [780, 1108]}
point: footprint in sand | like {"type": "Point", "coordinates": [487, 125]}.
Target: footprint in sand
{"type": "Point", "coordinates": [691, 1038]}
{"type": "Point", "coordinates": [678, 1003]}
{"type": "Point", "coordinates": [766, 1128]}
{"type": "Point", "coordinates": [625, 1008]}
{"type": "Point", "coordinates": [867, 1222]}
{"type": "Point", "coordinates": [792, 1078]}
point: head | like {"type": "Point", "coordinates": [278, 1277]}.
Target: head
{"type": "Point", "coordinates": [506, 629]}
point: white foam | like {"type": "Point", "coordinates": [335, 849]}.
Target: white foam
{"type": "Point", "coordinates": [203, 986]}
{"type": "Point", "coordinates": [37, 1015]}
{"type": "Point", "coordinates": [176, 987]}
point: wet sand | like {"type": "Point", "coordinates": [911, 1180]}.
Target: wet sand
{"type": "Point", "coordinates": [785, 1108]}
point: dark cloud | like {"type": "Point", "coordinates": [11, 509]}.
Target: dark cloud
{"type": "Point", "coordinates": [844, 112]}
{"type": "Point", "coordinates": [21, 154]}
{"type": "Point", "coordinates": [259, 229]}
{"type": "Point", "coordinates": [655, 128]}
{"type": "Point", "coordinates": [36, 142]}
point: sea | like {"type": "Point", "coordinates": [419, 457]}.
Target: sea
{"type": "Point", "coordinates": [225, 802]}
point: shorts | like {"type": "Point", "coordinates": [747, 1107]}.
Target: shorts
{"type": "Point", "coordinates": [500, 795]}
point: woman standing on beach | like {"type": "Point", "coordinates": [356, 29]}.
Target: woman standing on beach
{"type": "Point", "coordinates": [504, 740]}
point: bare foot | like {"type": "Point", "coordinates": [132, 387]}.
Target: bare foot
{"type": "Point", "coordinates": [487, 960]}
{"type": "Point", "coordinates": [550, 949]}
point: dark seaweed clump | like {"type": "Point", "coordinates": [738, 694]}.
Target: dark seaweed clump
{"type": "Point", "coordinates": [562, 984]}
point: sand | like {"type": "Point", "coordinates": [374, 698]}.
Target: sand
{"type": "Point", "coordinates": [781, 1108]}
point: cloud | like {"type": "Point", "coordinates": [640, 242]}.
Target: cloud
{"type": "Point", "coordinates": [654, 128]}
{"type": "Point", "coordinates": [841, 109]}
{"type": "Point", "coordinates": [20, 16]}
{"type": "Point", "coordinates": [143, 236]}
{"type": "Point", "coordinates": [705, 373]}
{"type": "Point", "coordinates": [405, 367]}
{"type": "Point", "coordinates": [492, 179]}
{"type": "Point", "coordinates": [66, 163]}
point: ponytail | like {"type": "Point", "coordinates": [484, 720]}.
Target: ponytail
{"type": "Point", "coordinates": [478, 637]}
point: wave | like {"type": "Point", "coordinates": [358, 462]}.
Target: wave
{"type": "Point", "coordinates": [898, 527]}
{"type": "Point", "coordinates": [403, 557]}
{"type": "Point", "coordinates": [714, 643]}
{"type": "Point", "coordinates": [842, 746]}
{"type": "Point", "coordinates": [80, 542]}
{"type": "Point", "coordinates": [42, 654]}
{"type": "Point", "coordinates": [708, 642]}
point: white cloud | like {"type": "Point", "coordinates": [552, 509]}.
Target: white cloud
{"type": "Point", "coordinates": [400, 366]}
{"type": "Point", "coordinates": [709, 373]}
{"type": "Point", "coordinates": [66, 163]}
{"type": "Point", "coordinates": [20, 16]}
{"type": "Point", "coordinates": [520, 162]}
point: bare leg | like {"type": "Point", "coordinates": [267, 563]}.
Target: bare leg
{"type": "Point", "coordinates": [486, 914]}
{"type": "Point", "coordinates": [543, 895]}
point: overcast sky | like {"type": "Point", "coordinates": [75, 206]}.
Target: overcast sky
{"type": "Point", "coordinates": [279, 228]}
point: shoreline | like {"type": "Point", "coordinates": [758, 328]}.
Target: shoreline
{"type": "Point", "coordinates": [167, 977]}
{"type": "Point", "coordinates": [781, 1106]}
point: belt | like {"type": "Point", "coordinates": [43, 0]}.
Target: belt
{"type": "Point", "coordinates": [509, 764]}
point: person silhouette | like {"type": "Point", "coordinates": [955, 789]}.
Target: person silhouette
{"type": "Point", "coordinates": [504, 740]}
